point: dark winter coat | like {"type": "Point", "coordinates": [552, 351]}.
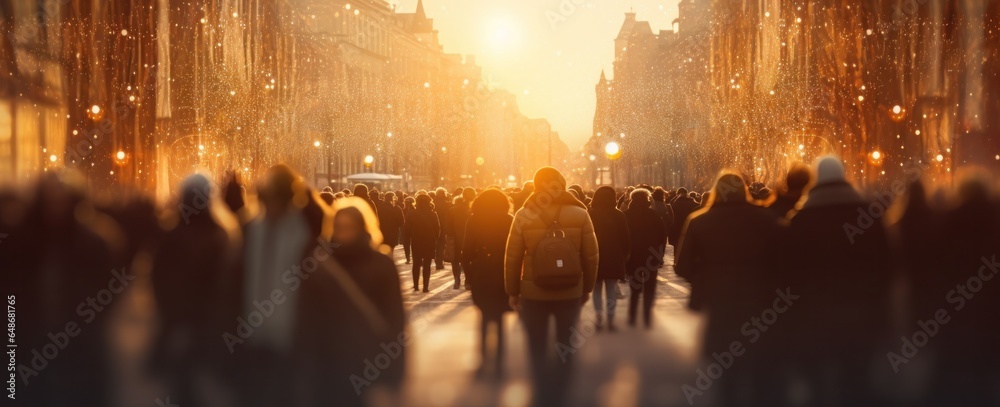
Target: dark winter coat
{"type": "Point", "coordinates": [839, 266]}
{"type": "Point", "coordinates": [390, 221]}
{"type": "Point", "coordinates": [335, 338]}
{"type": "Point", "coordinates": [665, 213]}
{"type": "Point", "coordinates": [458, 215]}
{"type": "Point", "coordinates": [422, 231]}
{"type": "Point", "coordinates": [647, 239]}
{"type": "Point", "coordinates": [613, 241]}
{"type": "Point", "coordinates": [682, 207]}
{"type": "Point", "coordinates": [483, 253]}
{"type": "Point", "coordinates": [724, 254]}
{"type": "Point", "coordinates": [191, 275]}
{"type": "Point", "coordinates": [783, 204]}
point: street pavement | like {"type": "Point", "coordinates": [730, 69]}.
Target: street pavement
{"type": "Point", "coordinates": [630, 367]}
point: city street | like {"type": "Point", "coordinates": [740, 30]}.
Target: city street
{"type": "Point", "coordinates": [631, 367]}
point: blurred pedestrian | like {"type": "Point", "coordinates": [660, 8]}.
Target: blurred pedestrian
{"type": "Point", "coordinates": [682, 207]}
{"type": "Point", "coordinates": [841, 270]}
{"type": "Point", "coordinates": [351, 311]}
{"type": "Point", "coordinates": [191, 273]}
{"type": "Point", "coordinates": [421, 232]}
{"type": "Point", "coordinates": [274, 248]}
{"type": "Point", "coordinates": [724, 253]}
{"type": "Point", "coordinates": [646, 239]}
{"type": "Point", "coordinates": [483, 251]}
{"type": "Point", "coordinates": [614, 244]}
{"type": "Point", "coordinates": [455, 225]}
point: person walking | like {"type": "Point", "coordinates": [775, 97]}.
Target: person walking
{"type": "Point", "coordinates": [647, 240]}
{"type": "Point", "coordinates": [351, 310]}
{"type": "Point", "coordinates": [552, 282]}
{"type": "Point", "coordinates": [483, 251]}
{"type": "Point", "coordinates": [613, 241]}
{"type": "Point", "coordinates": [725, 254]}
{"type": "Point", "coordinates": [407, 207]}
{"type": "Point", "coordinates": [276, 241]}
{"type": "Point", "coordinates": [682, 207]}
{"type": "Point", "coordinates": [458, 215]}
{"type": "Point", "coordinates": [441, 207]}
{"type": "Point", "coordinates": [421, 233]}
{"type": "Point", "coordinates": [189, 275]}
{"type": "Point", "coordinates": [843, 278]}
{"type": "Point", "coordinates": [390, 220]}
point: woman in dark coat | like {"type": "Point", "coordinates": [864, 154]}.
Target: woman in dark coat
{"type": "Point", "coordinates": [483, 250]}
{"type": "Point", "coordinates": [614, 243]}
{"type": "Point", "coordinates": [421, 231]}
{"type": "Point", "coordinates": [841, 269]}
{"type": "Point", "coordinates": [646, 254]}
{"type": "Point", "coordinates": [723, 254]}
{"type": "Point", "coordinates": [350, 315]}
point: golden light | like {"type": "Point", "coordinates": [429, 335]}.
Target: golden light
{"type": "Point", "coordinates": [504, 34]}
{"type": "Point", "coordinates": [480, 161]}
{"type": "Point", "coordinates": [316, 143]}
{"type": "Point", "coordinates": [939, 158]}
{"type": "Point", "coordinates": [897, 113]}
{"type": "Point", "coordinates": [369, 160]}
{"type": "Point", "coordinates": [444, 149]}
{"type": "Point", "coordinates": [120, 155]}
{"type": "Point", "coordinates": [511, 178]}
{"type": "Point", "coordinates": [53, 158]}
{"type": "Point", "coordinates": [876, 155]}
{"type": "Point", "coordinates": [593, 157]}
{"type": "Point", "coordinates": [612, 150]}
{"type": "Point", "coordinates": [95, 113]}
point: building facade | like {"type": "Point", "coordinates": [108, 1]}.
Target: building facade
{"type": "Point", "coordinates": [139, 93]}
{"type": "Point", "coordinates": [755, 86]}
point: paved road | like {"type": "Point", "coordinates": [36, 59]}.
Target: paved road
{"type": "Point", "coordinates": [632, 367]}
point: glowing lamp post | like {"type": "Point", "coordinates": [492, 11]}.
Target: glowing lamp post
{"type": "Point", "coordinates": [613, 151]}
{"type": "Point", "coordinates": [369, 160]}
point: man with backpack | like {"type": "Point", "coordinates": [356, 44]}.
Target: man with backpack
{"type": "Point", "coordinates": [550, 271]}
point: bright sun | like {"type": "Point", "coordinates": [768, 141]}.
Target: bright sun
{"type": "Point", "coordinates": [503, 35]}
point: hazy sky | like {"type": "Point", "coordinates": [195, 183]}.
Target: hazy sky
{"type": "Point", "coordinates": [549, 52]}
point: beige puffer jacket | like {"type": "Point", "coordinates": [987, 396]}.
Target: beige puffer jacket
{"type": "Point", "coordinates": [529, 228]}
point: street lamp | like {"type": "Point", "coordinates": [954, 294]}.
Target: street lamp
{"type": "Point", "coordinates": [369, 160]}
{"type": "Point", "coordinates": [613, 151]}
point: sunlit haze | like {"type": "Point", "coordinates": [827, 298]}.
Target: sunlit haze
{"type": "Point", "coordinates": [550, 53]}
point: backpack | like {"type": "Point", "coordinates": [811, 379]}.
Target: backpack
{"type": "Point", "coordinates": [556, 262]}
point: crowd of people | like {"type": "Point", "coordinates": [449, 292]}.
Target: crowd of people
{"type": "Point", "coordinates": [814, 293]}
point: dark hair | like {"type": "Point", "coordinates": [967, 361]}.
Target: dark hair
{"type": "Point", "coordinates": [491, 203]}
{"type": "Point", "coordinates": [659, 194]}
{"type": "Point", "coordinates": [798, 177]}
{"type": "Point", "coordinates": [604, 197]}
{"type": "Point", "coordinates": [361, 190]}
